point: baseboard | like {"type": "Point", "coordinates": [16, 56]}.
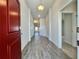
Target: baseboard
{"type": "Point", "coordinates": [70, 44]}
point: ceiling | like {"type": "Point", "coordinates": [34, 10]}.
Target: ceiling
{"type": "Point", "coordinates": [33, 6]}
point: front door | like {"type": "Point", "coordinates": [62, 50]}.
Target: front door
{"type": "Point", "coordinates": [10, 43]}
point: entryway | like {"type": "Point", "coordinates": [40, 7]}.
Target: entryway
{"type": "Point", "coordinates": [69, 35]}
{"type": "Point", "coordinates": [67, 29]}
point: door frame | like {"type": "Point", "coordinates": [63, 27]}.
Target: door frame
{"type": "Point", "coordinates": [59, 23]}
{"type": "Point", "coordinates": [72, 14]}
{"type": "Point", "coordinates": [60, 26]}
{"type": "Point", "coordinates": [77, 26]}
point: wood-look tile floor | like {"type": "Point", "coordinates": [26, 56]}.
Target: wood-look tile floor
{"type": "Point", "coordinates": [70, 50]}
{"type": "Point", "coordinates": [41, 48]}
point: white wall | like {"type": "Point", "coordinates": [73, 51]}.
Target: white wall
{"type": "Point", "coordinates": [43, 28]}
{"type": "Point", "coordinates": [50, 19]}
{"type": "Point", "coordinates": [59, 4]}
{"type": "Point", "coordinates": [47, 25]}
{"type": "Point", "coordinates": [31, 26]}
{"type": "Point", "coordinates": [25, 23]}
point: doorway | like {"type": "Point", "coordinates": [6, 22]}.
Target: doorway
{"type": "Point", "coordinates": [67, 28]}
{"type": "Point", "coordinates": [68, 43]}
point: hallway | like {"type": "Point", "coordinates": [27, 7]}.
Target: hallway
{"type": "Point", "coordinates": [44, 16]}
{"type": "Point", "coordinates": [39, 29]}
{"type": "Point", "coordinates": [41, 48]}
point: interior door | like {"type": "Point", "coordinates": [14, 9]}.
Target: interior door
{"type": "Point", "coordinates": [10, 43]}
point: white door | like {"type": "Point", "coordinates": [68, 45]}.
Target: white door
{"type": "Point", "coordinates": [67, 28]}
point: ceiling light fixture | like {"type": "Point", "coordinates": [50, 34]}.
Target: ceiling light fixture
{"type": "Point", "coordinates": [35, 21]}
{"type": "Point", "coordinates": [41, 7]}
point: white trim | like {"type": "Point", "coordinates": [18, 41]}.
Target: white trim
{"type": "Point", "coordinates": [67, 11]}
{"type": "Point", "coordinates": [59, 29]}
{"type": "Point", "coordinates": [77, 52]}
{"type": "Point", "coordinates": [65, 5]}
{"type": "Point", "coordinates": [50, 23]}
{"type": "Point", "coordinates": [78, 26]}
{"type": "Point", "coordinates": [60, 24]}
{"type": "Point", "coordinates": [29, 25]}
{"type": "Point", "coordinates": [78, 13]}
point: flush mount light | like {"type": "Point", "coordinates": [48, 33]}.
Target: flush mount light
{"type": "Point", "coordinates": [35, 21]}
{"type": "Point", "coordinates": [40, 7]}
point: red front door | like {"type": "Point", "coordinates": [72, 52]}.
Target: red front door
{"type": "Point", "coordinates": [10, 43]}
